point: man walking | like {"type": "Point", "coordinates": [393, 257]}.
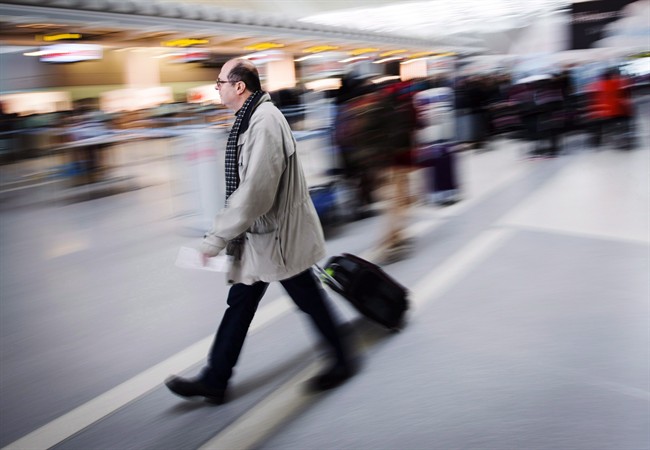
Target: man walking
{"type": "Point", "coordinates": [270, 229]}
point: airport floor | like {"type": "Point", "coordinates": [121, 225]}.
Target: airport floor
{"type": "Point", "coordinates": [528, 326]}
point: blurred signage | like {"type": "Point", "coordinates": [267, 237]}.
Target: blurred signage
{"type": "Point", "coordinates": [203, 94]}
{"type": "Point", "coordinates": [589, 19]}
{"type": "Point", "coordinates": [420, 55]}
{"type": "Point", "coordinates": [363, 51]}
{"type": "Point", "coordinates": [68, 53]}
{"type": "Point", "coordinates": [184, 42]}
{"type": "Point", "coordinates": [188, 56]}
{"type": "Point", "coordinates": [320, 48]}
{"type": "Point", "coordinates": [440, 65]}
{"type": "Point", "coordinates": [134, 99]}
{"type": "Point", "coordinates": [26, 103]}
{"type": "Point", "coordinates": [266, 57]}
{"type": "Point", "coordinates": [392, 53]}
{"type": "Point", "coordinates": [323, 65]}
{"type": "Point", "coordinates": [60, 37]}
{"type": "Point", "coordinates": [263, 46]}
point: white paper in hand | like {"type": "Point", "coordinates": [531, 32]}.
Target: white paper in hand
{"type": "Point", "coordinates": [191, 258]}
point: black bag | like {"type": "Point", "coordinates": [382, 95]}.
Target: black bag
{"type": "Point", "coordinates": [371, 291]}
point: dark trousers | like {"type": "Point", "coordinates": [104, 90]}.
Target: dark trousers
{"type": "Point", "coordinates": [619, 127]}
{"type": "Point", "coordinates": [305, 291]}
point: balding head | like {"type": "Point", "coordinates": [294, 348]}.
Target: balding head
{"type": "Point", "coordinates": [241, 80]}
{"type": "Point", "coordinates": [243, 70]}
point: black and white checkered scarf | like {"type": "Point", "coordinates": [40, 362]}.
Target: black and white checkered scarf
{"type": "Point", "coordinates": [242, 120]}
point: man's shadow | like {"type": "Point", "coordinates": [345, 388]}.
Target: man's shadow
{"type": "Point", "coordinates": [359, 335]}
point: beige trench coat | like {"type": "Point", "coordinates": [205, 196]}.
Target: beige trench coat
{"type": "Point", "coordinates": [283, 235]}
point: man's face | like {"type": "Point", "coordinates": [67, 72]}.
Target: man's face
{"type": "Point", "coordinates": [227, 90]}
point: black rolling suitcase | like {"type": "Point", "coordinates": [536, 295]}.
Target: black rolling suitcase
{"type": "Point", "coordinates": [371, 291]}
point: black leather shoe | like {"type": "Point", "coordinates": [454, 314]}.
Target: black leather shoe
{"type": "Point", "coordinates": [332, 377]}
{"type": "Point", "coordinates": [195, 388]}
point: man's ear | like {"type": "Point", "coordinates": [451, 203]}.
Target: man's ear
{"type": "Point", "coordinates": [241, 87]}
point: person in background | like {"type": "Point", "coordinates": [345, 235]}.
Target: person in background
{"type": "Point", "coordinates": [270, 230]}
{"type": "Point", "coordinates": [609, 107]}
{"type": "Point", "coordinates": [477, 94]}
{"type": "Point", "coordinates": [551, 116]}
{"type": "Point", "coordinates": [358, 135]}
{"type": "Point", "coordinates": [541, 106]}
{"type": "Point", "coordinates": [400, 120]}
{"type": "Point", "coordinates": [9, 144]}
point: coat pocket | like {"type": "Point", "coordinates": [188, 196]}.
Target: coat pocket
{"type": "Point", "coordinates": [263, 225]}
{"type": "Point", "coordinates": [265, 251]}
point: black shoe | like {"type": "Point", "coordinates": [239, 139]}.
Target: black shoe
{"type": "Point", "coordinates": [333, 377]}
{"type": "Point", "coordinates": [195, 388]}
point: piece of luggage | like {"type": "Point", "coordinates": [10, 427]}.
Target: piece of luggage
{"type": "Point", "coordinates": [324, 198]}
{"type": "Point", "coordinates": [439, 162]}
{"type": "Point", "coordinates": [444, 170]}
{"type": "Point", "coordinates": [335, 201]}
{"type": "Point", "coordinates": [373, 292]}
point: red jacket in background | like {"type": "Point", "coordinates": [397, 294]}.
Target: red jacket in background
{"type": "Point", "coordinates": [609, 99]}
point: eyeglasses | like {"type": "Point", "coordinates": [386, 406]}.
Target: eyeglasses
{"type": "Point", "coordinates": [220, 82]}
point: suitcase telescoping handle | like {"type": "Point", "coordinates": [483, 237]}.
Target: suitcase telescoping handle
{"type": "Point", "coordinates": [325, 275]}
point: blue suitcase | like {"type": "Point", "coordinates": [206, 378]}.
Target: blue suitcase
{"type": "Point", "coordinates": [325, 202]}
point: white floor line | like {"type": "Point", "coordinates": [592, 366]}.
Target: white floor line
{"type": "Point", "coordinates": [267, 415]}
{"type": "Point", "coordinates": [85, 415]}
{"type": "Point", "coordinates": [440, 279]}
{"type": "Point", "coordinates": [579, 233]}
{"type": "Point", "coordinates": [262, 420]}
{"type": "Point", "coordinates": [27, 186]}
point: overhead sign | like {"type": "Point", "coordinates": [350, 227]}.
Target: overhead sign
{"type": "Point", "coordinates": [61, 37]}
{"type": "Point", "coordinates": [68, 53]}
{"type": "Point", "coordinates": [188, 56]}
{"type": "Point", "coordinates": [322, 65]}
{"type": "Point", "coordinates": [184, 42]}
{"type": "Point", "coordinates": [589, 19]}
{"type": "Point", "coordinates": [363, 51]}
{"type": "Point", "coordinates": [440, 64]}
{"type": "Point", "coordinates": [264, 46]}
{"type": "Point", "coordinates": [320, 48]}
{"type": "Point", "coordinates": [266, 57]}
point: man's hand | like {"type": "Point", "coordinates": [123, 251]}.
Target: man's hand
{"type": "Point", "coordinates": [211, 246]}
{"type": "Point", "coordinates": [204, 259]}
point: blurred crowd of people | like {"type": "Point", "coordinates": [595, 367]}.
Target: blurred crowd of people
{"type": "Point", "coordinates": [376, 128]}
{"type": "Point", "coordinates": [543, 108]}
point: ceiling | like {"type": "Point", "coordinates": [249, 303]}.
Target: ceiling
{"type": "Point", "coordinates": [295, 9]}
{"type": "Point", "coordinates": [462, 21]}
{"type": "Point", "coordinates": [438, 26]}
{"type": "Point", "coordinates": [143, 23]}
{"type": "Point", "coordinates": [230, 26]}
